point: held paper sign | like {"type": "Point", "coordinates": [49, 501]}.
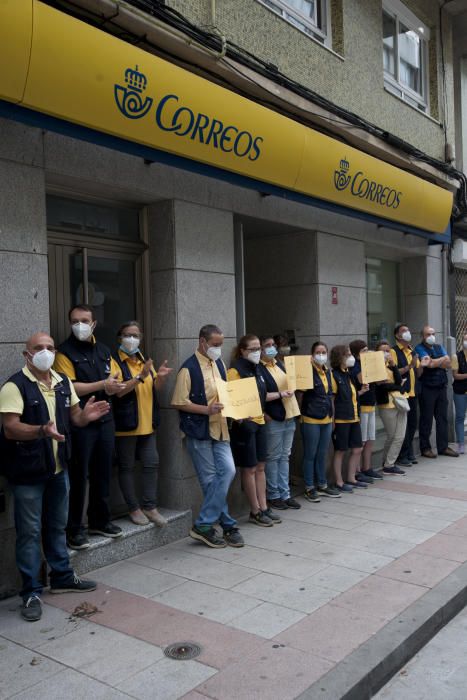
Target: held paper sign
{"type": "Point", "coordinates": [373, 367]}
{"type": "Point", "coordinates": [240, 398]}
{"type": "Point", "coordinates": [299, 372]}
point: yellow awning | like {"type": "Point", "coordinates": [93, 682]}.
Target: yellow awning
{"type": "Point", "coordinates": [65, 68]}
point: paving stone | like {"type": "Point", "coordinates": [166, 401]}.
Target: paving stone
{"type": "Point", "coordinates": [267, 620]}
{"type": "Point", "coordinates": [132, 577]}
{"type": "Point", "coordinates": [211, 602]}
{"type": "Point", "coordinates": [420, 569]}
{"type": "Point", "coordinates": [446, 547]}
{"type": "Point", "coordinates": [71, 685]}
{"type": "Point", "coordinates": [20, 668]}
{"type": "Point", "coordinates": [167, 680]}
{"type": "Point", "coordinates": [54, 624]}
{"type": "Point", "coordinates": [304, 596]}
{"type": "Point", "coordinates": [270, 672]}
{"type": "Point", "coordinates": [102, 653]}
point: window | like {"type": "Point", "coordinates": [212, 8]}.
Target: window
{"type": "Point", "coordinates": [383, 298]}
{"type": "Point", "coordinates": [310, 16]}
{"type": "Point", "coordinates": [405, 54]}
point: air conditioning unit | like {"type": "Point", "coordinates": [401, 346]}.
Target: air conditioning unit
{"type": "Point", "coordinates": [459, 253]}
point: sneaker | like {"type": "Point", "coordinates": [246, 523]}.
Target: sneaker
{"type": "Point", "coordinates": [208, 536]}
{"type": "Point", "coordinates": [449, 452]}
{"type": "Point", "coordinates": [373, 473]}
{"type": "Point", "coordinates": [78, 541]}
{"type": "Point", "coordinates": [395, 470]}
{"type": "Point", "coordinates": [276, 519]}
{"type": "Point", "coordinates": [364, 477]}
{"type": "Point", "coordinates": [328, 491]}
{"type": "Point", "coordinates": [404, 462]}
{"type": "Point", "coordinates": [412, 459]}
{"type": "Point", "coordinates": [137, 517]}
{"type": "Point", "coordinates": [357, 484]}
{"type": "Point", "coordinates": [233, 537]}
{"type": "Point", "coordinates": [461, 448]}
{"type": "Point", "coordinates": [261, 519]}
{"type": "Point", "coordinates": [109, 530]}
{"type": "Point", "coordinates": [345, 488]}
{"type": "Point", "coordinates": [311, 495]}
{"type": "Point", "coordinates": [155, 517]}
{"type": "Point", "coordinates": [31, 609]}
{"type": "Point", "coordinates": [278, 504]}
{"type": "Point", "coordinates": [75, 585]}
{"type": "Point", "coordinates": [292, 503]}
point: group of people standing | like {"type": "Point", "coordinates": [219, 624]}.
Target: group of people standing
{"type": "Point", "coordinates": [339, 408]}
{"type": "Point", "coordinates": [69, 410]}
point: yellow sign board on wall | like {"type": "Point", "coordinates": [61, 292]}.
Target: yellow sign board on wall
{"type": "Point", "coordinates": [83, 75]}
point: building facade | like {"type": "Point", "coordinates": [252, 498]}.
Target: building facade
{"type": "Point", "coordinates": [92, 211]}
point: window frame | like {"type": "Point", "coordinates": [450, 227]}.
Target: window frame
{"type": "Point", "coordinates": [401, 14]}
{"type": "Point", "coordinates": [321, 34]}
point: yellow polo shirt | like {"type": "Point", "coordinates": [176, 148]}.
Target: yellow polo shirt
{"type": "Point", "coordinates": [218, 429]}
{"type": "Point", "coordinates": [144, 394]}
{"type": "Point", "coordinates": [323, 376]}
{"type": "Point", "coordinates": [65, 366]}
{"type": "Point", "coordinates": [408, 352]}
{"type": "Point", "coordinates": [289, 402]}
{"type": "Point", "coordinates": [11, 401]}
{"type": "Point", "coordinates": [355, 419]}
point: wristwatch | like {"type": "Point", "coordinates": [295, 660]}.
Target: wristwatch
{"type": "Point", "coordinates": [139, 378]}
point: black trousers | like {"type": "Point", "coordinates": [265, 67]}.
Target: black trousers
{"type": "Point", "coordinates": [433, 404]}
{"type": "Point", "coordinates": [92, 458]}
{"type": "Point", "coordinates": [412, 423]}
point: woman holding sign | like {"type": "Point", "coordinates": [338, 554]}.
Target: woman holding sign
{"type": "Point", "coordinates": [394, 421]}
{"type": "Point", "coordinates": [248, 437]}
{"type": "Point", "coordinates": [347, 433]}
{"type": "Point", "coordinates": [280, 412]}
{"type": "Point", "coordinates": [316, 427]}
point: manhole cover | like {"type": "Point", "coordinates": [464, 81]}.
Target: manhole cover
{"type": "Point", "coordinates": [182, 651]}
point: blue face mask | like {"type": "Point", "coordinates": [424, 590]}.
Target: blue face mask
{"type": "Point", "coordinates": [270, 352]}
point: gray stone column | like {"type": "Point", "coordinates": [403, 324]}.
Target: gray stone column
{"type": "Point", "coordinates": [422, 299]}
{"type": "Point", "coordinates": [23, 280]}
{"type": "Point", "coordinates": [341, 264]}
{"type": "Point", "coordinates": [192, 283]}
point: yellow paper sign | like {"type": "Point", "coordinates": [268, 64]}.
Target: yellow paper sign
{"type": "Point", "coordinates": [299, 372]}
{"type": "Point", "coordinates": [373, 367]}
{"type": "Point", "coordinates": [240, 398]}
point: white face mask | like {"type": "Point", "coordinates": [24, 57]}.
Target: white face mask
{"type": "Point", "coordinates": [387, 355]}
{"type": "Point", "coordinates": [350, 361]}
{"type": "Point", "coordinates": [321, 359]}
{"type": "Point", "coordinates": [214, 353]}
{"type": "Point", "coordinates": [407, 336]}
{"type": "Point", "coordinates": [254, 356]}
{"type": "Point", "coordinates": [130, 344]}
{"type": "Point", "coordinates": [43, 360]}
{"type": "Point", "coordinates": [82, 331]}
{"type": "Point", "coordinates": [285, 350]}
{"type": "Point", "coordinates": [431, 339]}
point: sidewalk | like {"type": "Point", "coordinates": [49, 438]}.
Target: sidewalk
{"type": "Point", "coordinates": [271, 618]}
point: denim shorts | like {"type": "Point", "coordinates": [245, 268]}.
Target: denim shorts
{"type": "Point", "coordinates": [249, 443]}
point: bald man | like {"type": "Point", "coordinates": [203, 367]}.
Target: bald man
{"type": "Point", "coordinates": [37, 406]}
{"type": "Point", "coordinates": [433, 395]}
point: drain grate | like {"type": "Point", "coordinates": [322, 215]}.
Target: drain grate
{"type": "Point", "coordinates": [182, 651]}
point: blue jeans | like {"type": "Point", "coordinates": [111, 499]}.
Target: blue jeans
{"type": "Point", "coordinates": [279, 435]}
{"type": "Point", "coordinates": [41, 511]}
{"type": "Point", "coordinates": [316, 439]}
{"type": "Point", "coordinates": [215, 469]}
{"type": "Point", "coordinates": [460, 403]}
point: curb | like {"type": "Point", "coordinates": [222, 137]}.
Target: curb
{"type": "Point", "coordinates": [367, 669]}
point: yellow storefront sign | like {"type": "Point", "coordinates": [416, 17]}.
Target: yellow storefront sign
{"type": "Point", "coordinates": [65, 68]}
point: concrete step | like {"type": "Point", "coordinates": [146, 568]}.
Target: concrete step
{"type": "Point", "coordinates": [135, 540]}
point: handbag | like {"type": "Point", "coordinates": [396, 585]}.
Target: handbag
{"type": "Point", "coordinates": [400, 402]}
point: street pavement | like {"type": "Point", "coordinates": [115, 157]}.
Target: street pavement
{"type": "Point", "coordinates": [438, 672]}
{"type": "Point", "coordinates": [271, 618]}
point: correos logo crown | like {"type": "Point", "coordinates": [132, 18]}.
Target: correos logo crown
{"type": "Point", "coordinates": [182, 121]}
{"type": "Point", "coordinates": [364, 188]}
